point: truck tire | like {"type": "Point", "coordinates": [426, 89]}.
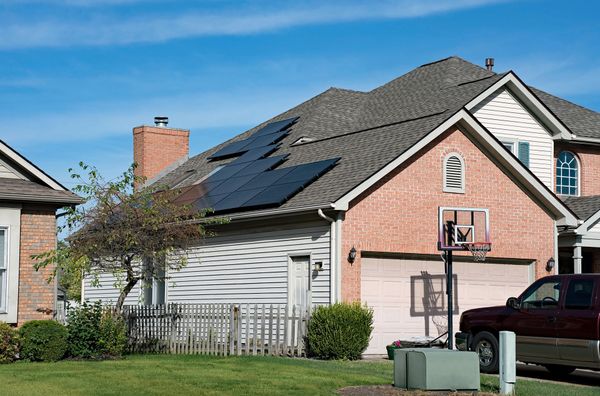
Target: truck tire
{"type": "Point", "coordinates": [558, 370]}
{"type": "Point", "coordinates": [486, 346]}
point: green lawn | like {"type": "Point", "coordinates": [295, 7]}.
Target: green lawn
{"type": "Point", "coordinates": [186, 375]}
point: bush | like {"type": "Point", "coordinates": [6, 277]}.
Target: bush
{"type": "Point", "coordinates": [83, 326]}
{"type": "Point", "coordinates": [43, 340]}
{"type": "Point", "coordinates": [95, 332]}
{"type": "Point", "coordinates": [9, 343]}
{"type": "Point", "coordinates": [113, 335]}
{"type": "Point", "coordinates": [339, 331]}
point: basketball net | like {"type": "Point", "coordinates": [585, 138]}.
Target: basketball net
{"type": "Point", "coordinates": [478, 249]}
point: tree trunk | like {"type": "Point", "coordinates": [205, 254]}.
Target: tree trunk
{"type": "Point", "coordinates": [131, 282]}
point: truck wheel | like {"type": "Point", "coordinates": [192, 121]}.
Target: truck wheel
{"type": "Point", "coordinates": [486, 346]}
{"type": "Point", "coordinates": [559, 370]}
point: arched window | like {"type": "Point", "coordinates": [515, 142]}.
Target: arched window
{"type": "Point", "coordinates": [567, 174]}
{"type": "Point", "coordinates": [454, 173]}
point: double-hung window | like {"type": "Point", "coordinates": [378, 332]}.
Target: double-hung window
{"type": "Point", "coordinates": [3, 267]}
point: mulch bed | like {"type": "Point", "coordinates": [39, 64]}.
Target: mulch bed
{"type": "Point", "coordinates": [389, 390]}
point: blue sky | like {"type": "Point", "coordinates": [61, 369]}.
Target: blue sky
{"type": "Point", "coordinates": [77, 75]}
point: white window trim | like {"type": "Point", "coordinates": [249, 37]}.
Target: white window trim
{"type": "Point", "coordinates": [454, 190]}
{"type": "Point", "coordinates": [10, 219]}
{"type": "Point", "coordinates": [6, 270]}
{"type": "Point", "coordinates": [578, 174]}
{"type": "Point", "coordinates": [514, 143]}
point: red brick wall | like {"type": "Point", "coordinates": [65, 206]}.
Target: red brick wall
{"type": "Point", "coordinates": [589, 160]}
{"type": "Point", "coordinates": [155, 148]}
{"type": "Point", "coordinates": [38, 235]}
{"type": "Point", "coordinates": [399, 213]}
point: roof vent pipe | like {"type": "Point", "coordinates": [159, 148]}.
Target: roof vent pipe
{"type": "Point", "coordinates": [161, 121]}
{"type": "Point", "coordinates": [489, 63]}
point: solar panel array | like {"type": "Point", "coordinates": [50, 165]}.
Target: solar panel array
{"type": "Point", "coordinates": [267, 135]}
{"type": "Point", "coordinates": [252, 180]}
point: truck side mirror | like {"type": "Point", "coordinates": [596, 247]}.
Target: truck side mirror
{"type": "Point", "coordinates": [513, 303]}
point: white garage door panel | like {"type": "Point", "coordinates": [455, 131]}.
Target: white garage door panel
{"type": "Point", "coordinates": [386, 287]}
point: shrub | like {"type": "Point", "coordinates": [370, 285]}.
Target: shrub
{"type": "Point", "coordinates": [43, 340]}
{"type": "Point", "coordinates": [83, 326]}
{"type": "Point", "coordinates": [95, 332]}
{"type": "Point", "coordinates": [113, 335]}
{"type": "Point", "coordinates": [9, 343]}
{"type": "Point", "coordinates": [339, 331]}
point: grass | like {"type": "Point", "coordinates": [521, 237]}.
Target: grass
{"type": "Point", "coordinates": [189, 375]}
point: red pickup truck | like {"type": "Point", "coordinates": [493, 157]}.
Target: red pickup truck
{"type": "Point", "coordinates": [556, 320]}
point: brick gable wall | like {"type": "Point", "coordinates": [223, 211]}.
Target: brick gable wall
{"type": "Point", "coordinates": [38, 235]}
{"type": "Point", "coordinates": [399, 213]}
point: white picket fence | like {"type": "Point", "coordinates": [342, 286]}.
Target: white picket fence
{"type": "Point", "coordinates": [217, 329]}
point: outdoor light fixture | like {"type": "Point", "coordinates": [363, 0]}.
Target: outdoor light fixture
{"type": "Point", "coordinates": [318, 266]}
{"type": "Point", "coordinates": [550, 264]}
{"type": "Point", "coordinates": [352, 255]}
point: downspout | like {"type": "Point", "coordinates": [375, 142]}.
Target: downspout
{"type": "Point", "coordinates": [556, 260]}
{"type": "Point", "coordinates": [338, 255]}
{"type": "Point", "coordinates": [332, 256]}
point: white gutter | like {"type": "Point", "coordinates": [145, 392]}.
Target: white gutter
{"type": "Point", "coordinates": [332, 257]}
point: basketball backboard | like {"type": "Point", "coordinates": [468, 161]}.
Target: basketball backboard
{"type": "Point", "coordinates": [460, 227]}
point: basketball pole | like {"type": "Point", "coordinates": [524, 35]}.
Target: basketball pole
{"type": "Point", "coordinates": [449, 292]}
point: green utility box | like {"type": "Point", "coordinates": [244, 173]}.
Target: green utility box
{"type": "Point", "coordinates": [436, 369]}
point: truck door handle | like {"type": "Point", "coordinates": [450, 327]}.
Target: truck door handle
{"type": "Point", "coordinates": [552, 319]}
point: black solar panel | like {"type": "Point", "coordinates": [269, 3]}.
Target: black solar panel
{"type": "Point", "coordinates": [307, 172]}
{"type": "Point", "coordinates": [266, 140]}
{"type": "Point", "coordinates": [267, 135]}
{"type": "Point", "coordinates": [273, 195]}
{"type": "Point", "coordinates": [266, 179]}
{"type": "Point", "coordinates": [232, 184]}
{"type": "Point", "coordinates": [208, 201]}
{"type": "Point", "coordinates": [231, 149]}
{"type": "Point", "coordinates": [227, 171]}
{"type": "Point", "coordinates": [235, 200]}
{"type": "Point", "coordinates": [254, 154]}
{"type": "Point", "coordinates": [262, 165]}
{"type": "Point", "coordinates": [275, 127]}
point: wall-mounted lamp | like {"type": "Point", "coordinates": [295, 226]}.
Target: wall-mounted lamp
{"type": "Point", "coordinates": [318, 266]}
{"type": "Point", "coordinates": [352, 255]}
{"type": "Point", "coordinates": [550, 264]}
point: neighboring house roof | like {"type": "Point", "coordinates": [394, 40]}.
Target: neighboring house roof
{"type": "Point", "coordinates": [27, 191]}
{"type": "Point", "coordinates": [32, 184]}
{"type": "Point", "coordinates": [368, 130]}
{"type": "Point", "coordinates": [584, 207]}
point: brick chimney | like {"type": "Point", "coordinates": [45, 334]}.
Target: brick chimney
{"type": "Point", "coordinates": [158, 148]}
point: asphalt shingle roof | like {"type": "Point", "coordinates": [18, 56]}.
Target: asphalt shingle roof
{"type": "Point", "coordinates": [584, 207]}
{"type": "Point", "coordinates": [580, 121]}
{"type": "Point", "coordinates": [366, 129]}
{"type": "Point", "coordinates": [18, 190]}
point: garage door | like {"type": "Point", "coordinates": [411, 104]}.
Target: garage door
{"type": "Point", "coordinates": [409, 296]}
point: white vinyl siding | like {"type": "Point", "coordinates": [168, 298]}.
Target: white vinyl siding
{"type": "Point", "coordinates": [504, 116]}
{"type": "Point", "coordinates": [454, 173]}
{"type": "Point", "coordinates": [251, 266]}
{"type": "Point", "coordinates": [7, 171]}
{"type": "Point", "coordinates": [595, 227]}
{"type": "Point", "coordinates": [107, 292]}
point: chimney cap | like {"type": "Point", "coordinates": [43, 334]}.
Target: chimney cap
{"type": "Point", "coordinates": [161, 121]}
{"type": "Point", "coordinates": [489, 64]}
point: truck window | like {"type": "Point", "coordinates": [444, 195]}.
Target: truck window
{"type": "Point", "coordinates": [545, 296]}
{"type": "Point", "coordinates": [579, 294]}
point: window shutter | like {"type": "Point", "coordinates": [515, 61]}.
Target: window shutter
{"type": "Point", "coordinates": [453, 180]}
{"type": "Point", "coordinates": [524, 153]}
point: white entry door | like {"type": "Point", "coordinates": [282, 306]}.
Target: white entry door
{"type": "Point", "coordinates": [299, 281]}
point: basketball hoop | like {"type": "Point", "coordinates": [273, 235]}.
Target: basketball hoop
{"type": "Point", "coordinates": [478, 249]}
